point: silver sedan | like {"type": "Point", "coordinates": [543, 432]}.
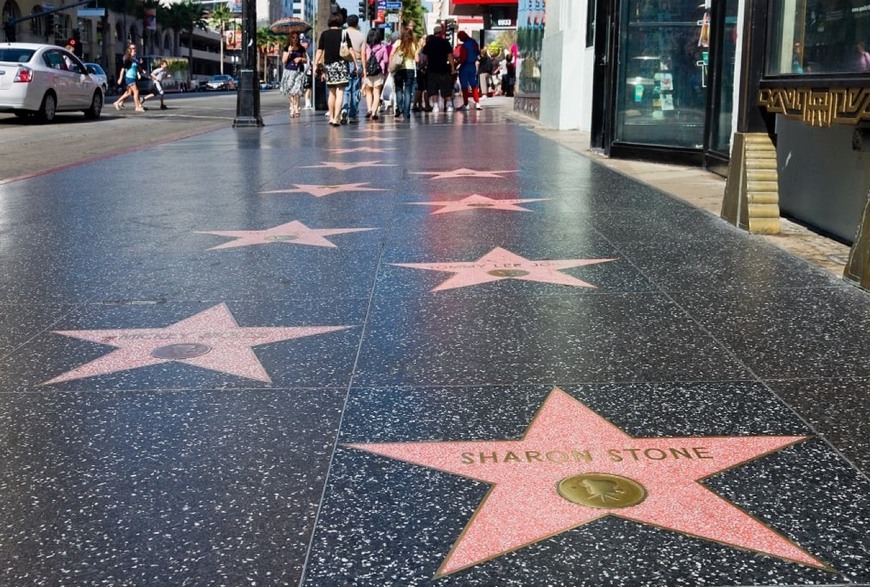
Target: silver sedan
{"type": "Point", "coordinates": [42, 80]}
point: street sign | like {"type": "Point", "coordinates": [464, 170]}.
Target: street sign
{"type": "Point", "coordinates": [91, 12]}
{"type": "Point", "coordinates": [394, 5]}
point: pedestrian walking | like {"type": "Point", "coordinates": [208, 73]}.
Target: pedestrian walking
{"type": "Point", "coordinates": [484, 70]}
{"type": "Point", "coordinates": [405, 76]}
{"type": "Point", "coordinates": [440, 65]}
{"type": "Point", "coordinates": [308, 81]}
{"type": "Point", "coordinates": [294, 60]}
{"type": "Point", "coordinates": [333, 69]}
{"type": "Point", "coordinates": [128, 77]}
{"type": "Point", "coordinates": [375, 58]}
{"type": "Point", "coordinates": [157, 77]}
{"type": "Point", "coordinates": [350, 105]}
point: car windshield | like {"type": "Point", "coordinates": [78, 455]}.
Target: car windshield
{"type": "Point", "coordinates": [13, 55]}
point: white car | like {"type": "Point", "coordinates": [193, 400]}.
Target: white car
{"type": "Point", "coordinates": [42, 80]}
{"type": "Point", "coordinates": [99, 74]}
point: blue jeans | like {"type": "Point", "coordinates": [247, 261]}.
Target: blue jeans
{"type": "Point", "coordinates": [352, 91]}
{"type": "Point", "coordinates": [405, 80]}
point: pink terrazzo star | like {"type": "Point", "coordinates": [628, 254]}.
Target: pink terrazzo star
{"type": "Point", "coordinates": [294, 233]}
{"type": "Point", "coordinates": [319, 191]}
{"type": "Point", "coordinates": [363, 150]}
{"type": "Point", "coordinates": [210, 339]}
{"type": "Point", "coordinates": [567, 440]}
{"type": "Point", "coordinates": [343, 166]}
{"type": "Point", "coordinates": [465, 172]}
{"type": "Point", "coordinates": [501, 264]}
{"type": "Point", "coordinates": [370, 140]}
{"type": "Point", "coordinates": [478, 202]}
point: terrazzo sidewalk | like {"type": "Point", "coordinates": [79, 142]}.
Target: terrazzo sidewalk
{"type": "Point", "coordinates": [450, 352]}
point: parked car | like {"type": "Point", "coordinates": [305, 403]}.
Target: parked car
{"type": "Point", "coordinates": [100, 74]}
{"type": "Point", "coordinates": [41, 80]}
{"type": "Point", "coordinates": [220, 82]}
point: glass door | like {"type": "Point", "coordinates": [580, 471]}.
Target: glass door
{"type": "Point", "coordinates": [721, 111]}
{"type": "Point", "coordinates": [662, 76]}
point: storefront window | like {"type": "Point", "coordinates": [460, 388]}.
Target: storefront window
{"type": "Point", "coordinates": [664, 57]}
{"type": "Point", "coordinates": [819, 36]}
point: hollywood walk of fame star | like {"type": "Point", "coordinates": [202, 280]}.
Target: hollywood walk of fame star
{"type": "Point", "coordinates": [211, 339]}
{"type": "Point", "coordinates": [478, 202]}
{"type": "Point", "coordinates": [293, 232]}
{"type": "Point", "coordinates": [573, 467]}
{"type": "Point", "coordinates": [501, 264]}
{"type": "Point", "coordinates": [370, 140]}
{"type": "Point", "coordinates": [341, 166]}
{"type": "Point", "coordinates": [363, 150]}
{"type": "Point", "coordinates": [318, 191]}
{"type": "Point", "coordinates": [463, 172]}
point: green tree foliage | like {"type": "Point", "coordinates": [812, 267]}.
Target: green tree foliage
{"type": "Point", "coordinates": [413, 11]}
{"type": "Point", "coordinates": [189, 15]}
{"type": "Point", "coordinates": [220, 17]}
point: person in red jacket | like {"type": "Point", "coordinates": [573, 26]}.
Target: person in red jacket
{"type": "Point", "coordinates": [469, 53]}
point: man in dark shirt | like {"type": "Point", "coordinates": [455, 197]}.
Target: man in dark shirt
{"type": "Point", "coordinates": [439, 60]}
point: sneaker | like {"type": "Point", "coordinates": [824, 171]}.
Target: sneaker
{"type": "Point", "coordinates": [450, 108]}
{"type": "Point", "coordinates": [117, 106]}
{"type": "Point", "coordinates": [478, 106]}
{"type": "Point", "coordinates": [353, 120]}
{"type": "Point", "coordinates": [140, 109]}
{"type": "Point", "coordinates": [343, 117]}
{"type": "Point", "coordinates": [164, 107]}
{"type": "Point", "coordinates": [462, 108]}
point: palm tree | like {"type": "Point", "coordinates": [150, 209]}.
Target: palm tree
{"type": "Point", "coordinates": [413, 11]}
{"type": "Point", "coordinates": [266, 40]}
{"type": "Point", "coordinates": [221, 16]}
{"type": "Point", "coordinates": [189, 15]}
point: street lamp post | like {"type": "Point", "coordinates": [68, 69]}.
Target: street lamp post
{"type": "Point", "coordinates": [248, 93]}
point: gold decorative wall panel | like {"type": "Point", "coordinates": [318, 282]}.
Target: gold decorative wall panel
{"type": "Point", "coordinates": [818, 107]}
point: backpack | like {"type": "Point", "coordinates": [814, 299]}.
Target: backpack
{"type": "Point", "coordinates": [373, 64]}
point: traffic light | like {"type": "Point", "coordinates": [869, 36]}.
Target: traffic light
{"type": "Point", "coordinates": [372, 10]}
{"type": "Point", "coordinates": [362, 9]}
{"type": "Point", "coordinates": [76, 44]}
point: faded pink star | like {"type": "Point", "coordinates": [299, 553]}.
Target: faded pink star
{"type": "Point", "coordinates": [210, 339]}
{"type": "Point", "coordinates": [319, 191]}
{"type": "Point", "coordinates": [478, 202]}
{"type": "Point", "coordinates": [501, 264]}
{"type": "Point", "coordinates": [293, 232]}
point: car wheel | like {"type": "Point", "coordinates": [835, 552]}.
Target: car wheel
{"type": "Point", "coordinates": [93, 112]}
{"type": "Point", "coordinates": [48, 109]}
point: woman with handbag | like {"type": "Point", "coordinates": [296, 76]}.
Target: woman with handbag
{"type": "Point", "coordinates": [294, 73]}
{"type": "Point", "coordinates": [332, 66]}
{"type": "Point", "coordinates": [374, 58]}
{"type": "Point", "coordinates": [403, 65]}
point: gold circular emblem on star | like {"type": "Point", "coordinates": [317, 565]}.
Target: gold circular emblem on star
{"type": "Point", "coordinates": [601, 490]}
{"type": "Point", "coordinates": [182, 350]}
{"type": "Point", "coordinates": [481, 205]}
{"type": "Point", "coordinates": [283, 237]}
{"type": "Point", "coordinates": [507, 272]}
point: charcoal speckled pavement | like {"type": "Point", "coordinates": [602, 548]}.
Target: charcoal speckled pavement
{"type": "Point", "coordinates": [449, 352]}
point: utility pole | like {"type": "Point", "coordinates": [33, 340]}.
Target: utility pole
{"type": "Point", "coordinates": [248, 94]}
